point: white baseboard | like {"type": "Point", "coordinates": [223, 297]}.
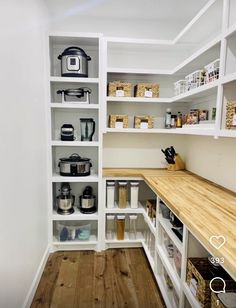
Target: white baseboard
{"type": "Point", "coordinates": [36, 279]}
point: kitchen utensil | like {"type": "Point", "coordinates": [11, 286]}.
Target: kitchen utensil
{"type": "Point", "coordinates": [82, 95]}
{"type": "Point", "coordinates": [88, 201]}
{"type": "Point", "coordinates": [87, 126]}
{"type": "Point", "coordinates": [74, 166]}
{"type": "Point", "coordinates": [74, 62]}
{"type": "Point", "coordinates": [67, 132]}
{"type": "Point", "coordinates": [65, 201]}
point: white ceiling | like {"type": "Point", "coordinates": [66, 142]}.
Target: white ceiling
{"type": "Point", "coordinates": [159, 10]}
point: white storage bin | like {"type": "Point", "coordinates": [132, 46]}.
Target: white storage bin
{"type": "Point", "coordinates": [212, 71]}
{"type": "Point", "coordinates": [133, 227]}
{"type": "Point", "coordinates": [110, 194]}
{"type": "Point", "coordinates": [180, 87]}
{"type": "Point", "coordinates": [110, 232]}
{"type": "Point", "coordinates": [134, 189]}
{"type": "Point", "coordinates": [195, 79]}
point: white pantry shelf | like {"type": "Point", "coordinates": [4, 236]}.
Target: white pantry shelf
{"type": "Point", "coordinates": [127, 210]}
{"type": "Point", "coordinates": [77, 215]}
{"type": "Point", "coordinates": [191, 299]}
{"type": "Point", "coordinates": [230, 31]}
{"type": "Point", "coordinates": [169, 267]}
{"type": "Point", "coordinates": [164, 292]}
{"type": "Point", "coordinates": [120, 70]}
{"type": "Point", "coordinates": [92, 241]}
{"type": "Point", "coordinates": [228, 78]}
{"type": "Point", "coordinates": [199, 92]}
{"type": "Point", "coordinates": [227, 133]}
{"type": "Point", "coordinates": [73, 79]}
{"type": "Point", "coordinates": [166, 225]}
{"type": "Point", "coordinates": [180, 131]}
{"type": "Point", "coordinates": [75, 143]}
{"type": "Point", "coordinates": [74, 106]}
{"type": "Point", "coordinates": [138, 99]}
{"type": "Point", "coordinates": [57, 178]}
{"type": "Point", "coordinates": [149, 256]}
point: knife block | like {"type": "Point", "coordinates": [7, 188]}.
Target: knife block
{"type": "Point", "coordinates": [179, 164]}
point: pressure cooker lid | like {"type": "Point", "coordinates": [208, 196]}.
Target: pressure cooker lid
{"type": "Point", "coordinates": [74, 51]}
{"type": "Point", "coordinates": [74, 158]}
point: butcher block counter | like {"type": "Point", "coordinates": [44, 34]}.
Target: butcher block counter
{"type": "Point", "coordinates": [205, 208]}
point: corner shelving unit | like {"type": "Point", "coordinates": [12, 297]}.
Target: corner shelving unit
{"type": "Point", "coordinates": [60, 113]}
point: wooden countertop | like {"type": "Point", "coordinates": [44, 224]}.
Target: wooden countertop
{"type": "Point", "coordinates": [204, 207]}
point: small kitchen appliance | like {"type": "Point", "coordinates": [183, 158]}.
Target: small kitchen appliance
{"type": "Point", "coordinates": [87, 126]}
{"type": "Point", "coordinates": [74, 62]}
{"type": "Point", "coordinates": [88, 201]}
{"type": "Point", "coordinates": [67, 132]}
{"type": "Point", "coordinates": [78, 95]}
{"type": "Point", "coordinates": [74, 166]}
{"type": "Point", "coordinates": [65, 201]}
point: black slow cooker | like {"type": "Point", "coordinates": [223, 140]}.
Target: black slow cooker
{"type": "Point", "coordinates": [75, 166]}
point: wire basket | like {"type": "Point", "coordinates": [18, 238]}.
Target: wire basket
{"type": "Point", "coordinates": [195, 79]}
{"type": "Point", "coordinates": [212, 71]}
{"type": "Point", "coordinates": [180, 87]}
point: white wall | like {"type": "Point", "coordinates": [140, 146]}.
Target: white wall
{"type": "Point", "coordinates": [138, 150]}
{"type": "Point", "coordinates": [23, 227]}
{"type": "Point", "coordinates": [212, 159]}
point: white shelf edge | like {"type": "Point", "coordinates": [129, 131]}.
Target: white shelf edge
{"type": "Point", "coordinates": [73, 79]}
{"type": "Point", "coordinates": [193, 92]}
{"type": "Point", "coordinates": [57, 178]}
{"type": "Point", "coordinates": [170, 233]}
{"type": "Point", "coordinates": [77, 215]}
{"type": "Point", "coordinates": [228, 78]}
{"type": "Point", "coordinates": [120, 70]}
{"type": "Point", "coordinates": [74, 106]}
{"type": "Point", "coordinates": [114, 39]}
{"type": "Point", "coordinates": [138, 99]}
{"type": "Point", "coordinates": [149, 256]}
{"type": "Point", "coordinates": [75, 34]}
{"type": "Point", "coordinates": [169, 269]}
{"type": "Point", "coordinates": [227, 133]}
{"type": "Point", "coordinates": [164, 293]}
{"type": "Point", "coordinates": [230, 31]}
{"type": "Point", "coordinates": [197, 54]}
{"type": "Point", "coordinates": [192, 300]}
{"type": "Point", "coordinates": [138, 239]}
{"type": "Point", "coordinates": [91, 241]}
{"type": "Point", "coordinates": [74, 143]}
{"type": "Point", "coordinates": [180, 131]}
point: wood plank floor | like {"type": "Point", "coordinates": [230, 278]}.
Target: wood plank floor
{"type": "Point", "coordinates": [83, 279]}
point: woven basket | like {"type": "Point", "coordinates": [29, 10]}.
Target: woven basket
{"type": "Point", "coordinates": [139, 119]}
{"type": "Point", "coordinates": [113, 118]}
{"type": "Point", "coordinates": [230, 112]}
{"type": "Point", "coordinates": [199, 269]}
{"type": "Point", "coordinates": [118, 85]}
{"type": "Point", "coordinates": [141, 88]}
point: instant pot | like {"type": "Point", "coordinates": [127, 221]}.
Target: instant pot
{"type": "Point", "coordinates": [74, 62]}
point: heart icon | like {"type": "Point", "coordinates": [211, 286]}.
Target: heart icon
{"type": "Point", "coordinates": [217, 241]}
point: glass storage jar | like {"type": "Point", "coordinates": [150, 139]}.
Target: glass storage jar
{"type": "Point", "coordinates": [133, 227]}
{"type": "Point", "coordinates": [110, 194]}
{"type": "Point", "coordinates": [120, 227]}
{"type": "Point", "coordinates": [134, 189]}
{"type": "Point", "coordinates": [110, 227]}
{"type": "Point", "coordinates": [122, 194]}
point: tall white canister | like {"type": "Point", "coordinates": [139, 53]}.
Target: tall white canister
{"type": "Point", "coordinates": [110, 194]}
{"type": "Point", "coordinates": [134, 189]}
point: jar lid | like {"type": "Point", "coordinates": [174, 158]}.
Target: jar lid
{"type": "Point", "coordinates": [111, 183]}
{"type": "Point", "coordinates": [133, 217]}
{"type": "Point", "coordinates": [122, 183]}
{"type": "Point", "coordinates": [110, 217]}
{"type": "Point", "coordinates": [120, 216]}
{"type": "Point", "coordinates": [134, 183]}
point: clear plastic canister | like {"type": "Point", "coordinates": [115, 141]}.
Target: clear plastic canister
{"type": "Point", "coordinates": [110, 227]}
{"type": "Point", "coordinates": [110, 194]}
{"type": "Point", "coordinates": [133, 227]}
{"type": "Point", "coordinates": [120, 227]}
{"type": "Point", "coordinates": [122, 194]}
{"type": "Point", "coordinates": [134, 189]}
